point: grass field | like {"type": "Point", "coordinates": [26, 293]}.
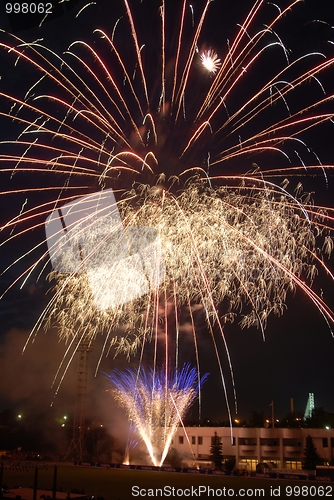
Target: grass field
{"type": "Point", "coordinates": [115, 484]}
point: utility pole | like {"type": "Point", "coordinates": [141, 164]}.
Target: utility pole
{"type": "Point", "coordinates": [77, 447]}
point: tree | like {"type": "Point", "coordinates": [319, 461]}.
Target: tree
{"type": "Point", "coordinates": [216, 451]}
{"type": "Point", "coordinates": [311, 456]}
{"type": "Point", "coordinates": [257, 419]}
{"type": "Point", "coordinates": [230, 464]}
{"type": "Point", "coordinates": [320, 418]}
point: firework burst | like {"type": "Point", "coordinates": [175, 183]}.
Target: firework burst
{"type": "Point", "coordinates": [210, 61]}
{"type": "Point", "coordinates": [156, 403]}
{"type": "Point", "coordinates": [147, 124]}
{"type": "Point", "coordinates": [247, 247]}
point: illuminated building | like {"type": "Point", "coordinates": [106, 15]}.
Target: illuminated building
{"type": "Point", "coordinates": [281, 448]}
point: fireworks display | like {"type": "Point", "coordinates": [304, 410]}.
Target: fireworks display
{"type": "Point", "coordinates": [247, 247]}
{"type": "Point", "coordinates": [87, 236]}
{"type": "Point", "coordinates": [210, 61]}
{"type": "Point", "coordinates": [172, 129]}
{"type": "Point", "coordinates": [156, 401]}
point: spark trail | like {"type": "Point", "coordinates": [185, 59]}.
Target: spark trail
{"type": "Point", "coordinates": [135, 110]}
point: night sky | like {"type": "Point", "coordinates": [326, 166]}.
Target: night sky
{"type": "Point", "coordinates": [297, 356]}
